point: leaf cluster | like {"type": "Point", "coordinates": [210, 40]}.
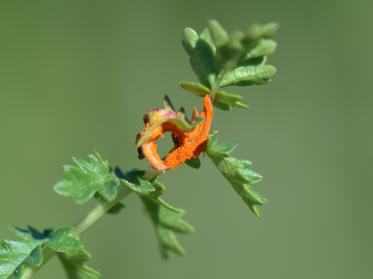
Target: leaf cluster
{"type": "Point", "coordinates": [221, 59]}
{"type": "Point", "coordinates": [166, 219]}
{"type": "Point", "coordinates": [238, 172]}
{"type": "Point", "coordinates": [29, 251]}
{"type": "Point", "coordinates": [94, 178]}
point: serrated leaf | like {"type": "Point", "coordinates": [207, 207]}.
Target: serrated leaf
{"type": "Point", "coordinates": [16, 255]}
{"type": "Point", "coordinates": [237, 172]}
{"type": "Point", "coordinates": [140, 186]}
{"type": "Point", "coordinates": [13, 254]}
{"type": "Point", "coordinates": [152, 190]}
{"type": "Point", "coordinates": [195, 88]}
{"type": "Point", "coordinates": [72, 254]}
{"type": "Point", "coordinates": [86, 178]}
{"type": "Point", "coordinates": [63, 241]}
{"type": "Point", "coordinates": [76, 270]}
{"type": "Point", "coordinates": [167, 222]}
{"type": "Point", "coordinates": [218, 33]}
{"type": "Point", "coordinates": [248, 75]}
{"type": "Point", "coordinates": [133, 181]}
{"type": "Point", "coordinates": [219, 149]}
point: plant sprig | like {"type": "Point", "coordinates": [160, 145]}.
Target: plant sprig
{"type": "Point", "coordinates": [219, 59]}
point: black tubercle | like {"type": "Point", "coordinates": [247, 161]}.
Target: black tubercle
{"type": "Point", "coordinates": [168, 101]}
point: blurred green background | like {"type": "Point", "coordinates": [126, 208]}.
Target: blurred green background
{"type": "Point", "coordinates": [77, 76]}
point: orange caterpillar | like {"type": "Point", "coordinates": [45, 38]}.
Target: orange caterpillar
{"type": "Point", "coordinates": [189, 137]}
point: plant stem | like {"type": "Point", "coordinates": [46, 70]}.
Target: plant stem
{"type": "Point", "coordinates": [91, 218]}
{"type": "Point", "coordinates": [98, 211]}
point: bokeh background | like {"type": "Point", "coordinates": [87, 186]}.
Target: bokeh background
{"type": "Point", "coordinates": [77, 76]}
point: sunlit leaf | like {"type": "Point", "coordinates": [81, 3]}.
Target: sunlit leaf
{"type": "Point", "coordinates": [16, 255]}
{"type": "Point", "coordinates": [86, 178]}
{"type": "Point", "coordinates": [248, 75]}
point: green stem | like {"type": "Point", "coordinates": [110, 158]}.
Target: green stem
{"type": "Point", "coordinates": [97, 212]}
{"type": "Point", "coordinates": [91, 218]}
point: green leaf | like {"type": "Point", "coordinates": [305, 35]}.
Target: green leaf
{"type": "Point", "coordinates": [248, 75]}
{"type": "Point", "coordinates": [222, 106]}
{"type": "Point", "coordinates": [195, 88]}
{"type": "Point", "coordinates": [77, 270]}
{"type": "Point", "coordinates": [190, 40]}
{"type": "Point", "coordinates": [261, 48]}
{"type": "Point", "coordinates": [237, 172]}
{"type": "Point", "coordinates": [150, 189]}
{"type": "Point", "coordinates": [134, 182]}
{"type": "Point", "coordinates": [227, 101]}
{"type": "Point", "coordinates": [202, 55]}
{"type": "Point", "coordinates": [234, 48]}
{"type": "Point", "coordinates": [167, 220]}
{"type": "Point", "coordinates": [36, 257]}
{"type": "Point", "coordinates": [194, 163]}
{"type": "Point", "coordinates": [86, 178]}
{"type": "Point", "coordinates": [63, 241]}
{"type": "Point", "coordinates": [217, 149]}
{"type": "Point", "coordinates": [257, 31]}
{"type": "Point", "coordinates": [206, 37]}
{"type": "Point", "coordinates": [140, 186]}
{"type": "Point", "coordinates": [15, 256]}
{"type": "Point", "coordinates": [222, 100]}
{"type": "Point", "coordinates": [218, 33]}
{"type": "Point", "coordinates": [72, 254]}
